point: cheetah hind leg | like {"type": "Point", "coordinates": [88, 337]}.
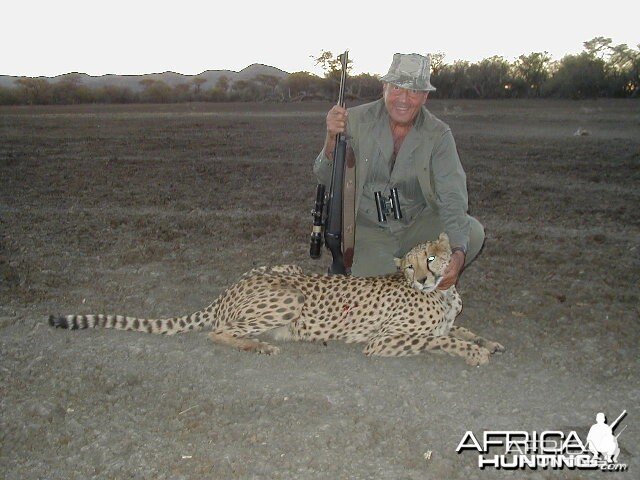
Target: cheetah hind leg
{"type": "Point", "coordinates": [400, 345]}
{"type": "Point", "coordinates": [258, 314]}
{"type": "Point", "coordinates": [468, 335]}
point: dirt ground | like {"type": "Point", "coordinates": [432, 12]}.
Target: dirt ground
{"type": "Point", "coordinates": [153, 210]}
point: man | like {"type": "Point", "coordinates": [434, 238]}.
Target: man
{"type": "Point", "coordinates": [398, 143]}
{"type": "Point", "coordinates": [600, 440]}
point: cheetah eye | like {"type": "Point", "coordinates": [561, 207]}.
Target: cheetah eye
{"type": "Point", "coordinates": [431, 258]}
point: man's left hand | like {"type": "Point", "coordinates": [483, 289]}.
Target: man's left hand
{"type": "Point", "coordinates": [452, 272]}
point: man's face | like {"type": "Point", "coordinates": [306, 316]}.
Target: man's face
{"type": "Point", "coordinates": [403, 105]}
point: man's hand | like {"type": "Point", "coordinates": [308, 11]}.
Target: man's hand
{"type": "Point", "coordinates": [336, 120]}
{"type": "Point", "coordinates": [451, 273]}
{"type": "Point", "coordinates": [336, 123]}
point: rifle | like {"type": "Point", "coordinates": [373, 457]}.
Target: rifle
{"type": "Point", "coordinates": [617, 420]}
{"type": "Point", "coordinates": [333, 220]}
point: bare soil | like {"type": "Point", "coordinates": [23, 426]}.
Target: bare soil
{"type": "Point", "coordinates": [154, 210]}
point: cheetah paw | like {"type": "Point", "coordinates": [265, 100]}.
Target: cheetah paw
{"type": "Point", "coordinates": [261, 347]}
{"type": "Point", "coordinates": [479, 357]}
{"type": "Point", "coordinates": [495, 347]}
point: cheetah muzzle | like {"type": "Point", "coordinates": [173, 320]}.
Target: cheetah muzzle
{"type": "Point", "coordinates": [394, 315]}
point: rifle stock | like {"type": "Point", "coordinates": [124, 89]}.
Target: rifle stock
{"type": "Point", "coordinates": [333, 229]}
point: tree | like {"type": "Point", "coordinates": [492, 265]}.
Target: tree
{"type": "Point", "coordinates": [621, 66]}
{"type": "Point", "coordinates": [197, 85]}
{"type": "Point", "coordinates": [245, 91]}
{"type": "Point", "coordinates": [452, 81]}
{"type": "Point", "coordinates": [215, 95]}
{"type": "Point", "coordinates": [300, 85]}
{"type": "Point", "coordinates": [35, 91]}
{"type": "Point", "coordinates": [490, 77]}
{"type": "Point", "coordinates": [533, 70]}
{"type": "Point", "coordinates": [155, 91]}
{"type": "Point", "coordinates": [437, 62]}
{"type": "Point", "coordinates": [365, 86]}
{"type": "Point", "coordinates": [598, 47]}
{"type": "Point", "coordinates": [269, 84]}
{"type": "Point", "coordinates": [223, 84]}
{"type": "Point", "coordinates": [624, 71]}
{"type": "Point", "coordinates": [332, 67]}
{"type": "Point", "coordinates": [578, 76]}
{"type": "Point", "coordinates": [69, 90]}
{"type": "Point", "coordinates": [181, 93]}
{"type": "Point", "coordinates": [115, 94]}
{"type": "Point", "coordinates": [9, 96]}
{"type": "Point", "coordinates": [331, 64]}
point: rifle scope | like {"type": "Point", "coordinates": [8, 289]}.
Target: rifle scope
{"type": "Point", "coordinates": [316, 235]}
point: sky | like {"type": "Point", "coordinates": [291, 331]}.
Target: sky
{"type": "Point", "coordinates": [48, 38]}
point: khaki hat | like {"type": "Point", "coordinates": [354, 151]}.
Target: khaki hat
{"type": "Point", "coordinates": [411, 71]}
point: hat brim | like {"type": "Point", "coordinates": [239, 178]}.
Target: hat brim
{"type": "Point", "coordinates": [408, 83]}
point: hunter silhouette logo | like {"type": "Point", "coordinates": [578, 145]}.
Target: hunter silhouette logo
{"type": "Point", "coordinates": [550, 449]}
{"type": "Point", "coordinates": [602, 441]}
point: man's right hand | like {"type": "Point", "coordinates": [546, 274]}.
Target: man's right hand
{"type": "Point", "coordinates": [336, 123]}
{"type": "Point", "coordinates": [336, 120]}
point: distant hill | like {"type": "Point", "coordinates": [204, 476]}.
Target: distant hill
{"type": "Point", "coordinates": [170, 78]}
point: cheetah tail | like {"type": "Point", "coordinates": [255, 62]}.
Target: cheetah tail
{"type": "Point", "coordinates": [165, 326]}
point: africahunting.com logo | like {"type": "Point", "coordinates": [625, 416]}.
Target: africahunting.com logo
{"type": "Point", "coordinates": [550, 449]}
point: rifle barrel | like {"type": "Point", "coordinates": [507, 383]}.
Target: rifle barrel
{"type": "Point", "coordinates": [344, 58]}
{"type": "Point", "coordinates": [617, 420]}
{"type": "Point", "coordinates": [620, 432]}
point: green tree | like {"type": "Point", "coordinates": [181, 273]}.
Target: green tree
{"type": "Point", "coordinates": [331, 64]}
{"type": "Point", "coordinates": [578, 76]}
{"type": "Point", "coordinates": [301, 85]}
{"type": "Point", "coordinates": [332, 67]}
{"type": "Point", "coordinates": [452, 81]}
{"type": "Point", "coordinates": [197, 85]}
{"type": "Point", "coordinates": [9, 96]}
{"type": "Point", "coordinates": [223, 84]}
{"type": "Point", "coordinates": [245, 91]}
{"type": "Point", "coordinates": [365, 86]}
{"type": "Point", "coordinates": [489, 77]}
{"type": "Point", "coordinates": [598, 47]}
{"type": "Point", "coordinates": [269, 86]}
{"type": "Point", "coordinates": [69, 90]}
{"type": "Point", "coordinates": [34, 91]}
{"type": "Point", "coordinates": [115, 94]}
{"type": "Point", "coordinates": [623, 71]}
{"type": "Point", "coordinates": [181, 93]}
{"type": "Point", "coordinates": [437, 62]}
{"type": "Point", "coordinates": [216, 95]}
{"type": "Point", "coordinates": [155, 91]}
{"type": "Point", "coordinates": [533, 70]}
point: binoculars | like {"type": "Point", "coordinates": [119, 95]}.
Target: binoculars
{"type": "Point", "coordinates": [388, 205]}
{"type": "Point", "coordinates": [384, 206]}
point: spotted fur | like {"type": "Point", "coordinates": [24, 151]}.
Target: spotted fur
{"type": "Point", "coordinates": [394, 315]}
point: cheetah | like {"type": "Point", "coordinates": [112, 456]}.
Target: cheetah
{"type": "Point", "coordinates": [394, 315]}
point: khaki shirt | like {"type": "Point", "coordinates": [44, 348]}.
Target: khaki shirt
{"type": "Point", "coordinates": [430, 152]}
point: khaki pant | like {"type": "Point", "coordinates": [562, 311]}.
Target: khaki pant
{"type": "Point", "coordinates": [376, 247]}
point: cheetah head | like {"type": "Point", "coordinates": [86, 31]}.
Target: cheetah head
{"type": "Point", "coordinates": [425, 263]}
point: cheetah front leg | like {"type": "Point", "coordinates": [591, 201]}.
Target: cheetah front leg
{"type": "Point", "coordinates": [468, 335]}
{"type": "Point", "coordinates": [400, 345]}
{"type": "Point", "coordinates": [257, 313]}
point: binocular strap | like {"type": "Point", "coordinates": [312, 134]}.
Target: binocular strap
{"type": "Point", "coordinates": [349, 208]}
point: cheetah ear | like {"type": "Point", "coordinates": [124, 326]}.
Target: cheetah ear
{"type": "Point", "coordinates": [397, 261]}
{"type": "Point", "coordinates": [443, 237]}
